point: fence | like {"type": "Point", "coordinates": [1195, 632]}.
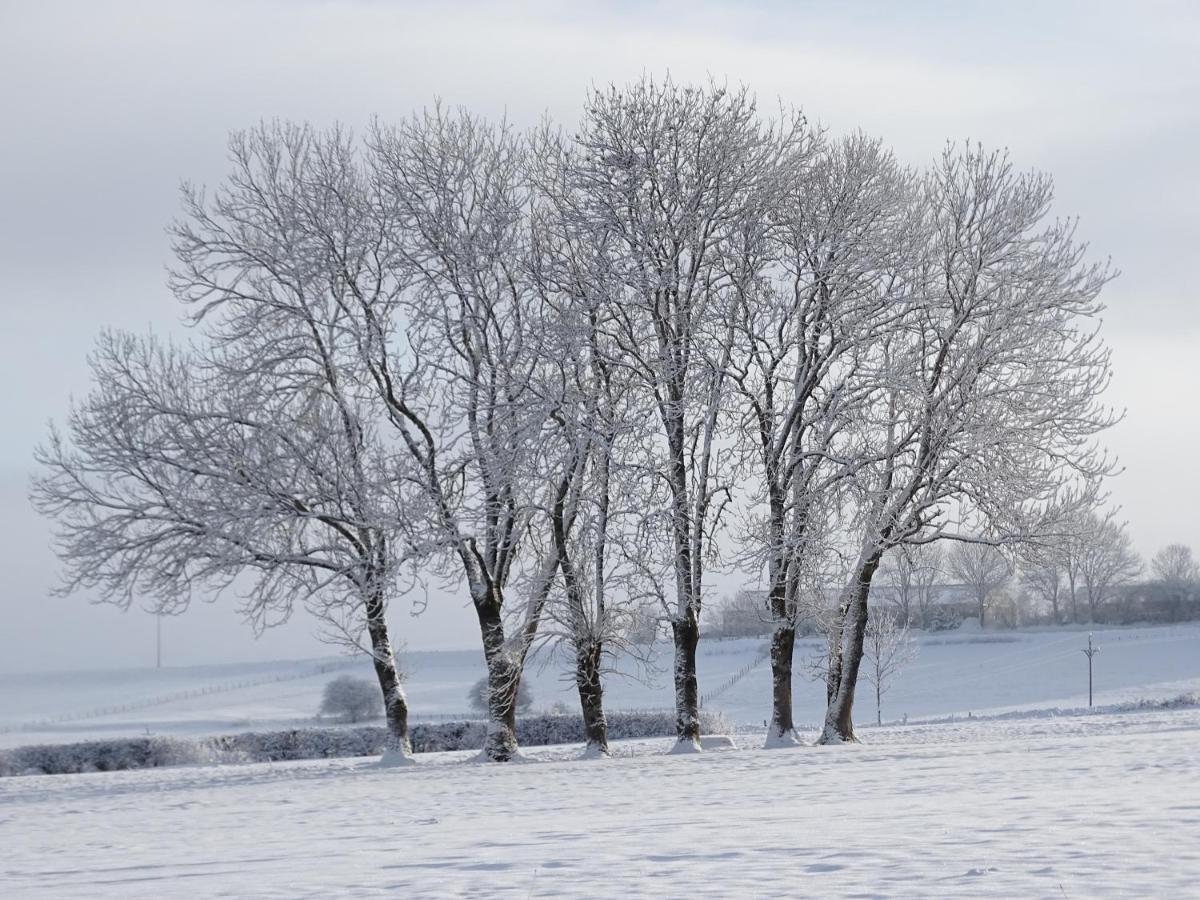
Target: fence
{"type": "Point", "coordinates": [762, 656]}
{"type": "Point", "coordinates": [177, 696]}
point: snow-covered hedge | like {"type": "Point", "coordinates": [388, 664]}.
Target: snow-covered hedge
{"type": "Point", "coordinates": [103, 756]}
{"type": "Point", "coordinates": [319, 743]}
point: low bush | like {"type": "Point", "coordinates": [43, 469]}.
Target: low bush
{"type": "Point", "coordinates": [320, 743]}
{"type": "Point", "coordinates": [351, 699]}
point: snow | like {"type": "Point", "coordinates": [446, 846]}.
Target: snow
{"type": "Point", "coordinates": [1090, 805]}
{"type": "Point", "coordinates": [1032, 795]}
{"type": "Point", "coordinates": [954, 673]}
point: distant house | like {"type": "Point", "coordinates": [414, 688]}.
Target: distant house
{"type": "Point", "coordinates": [746, 614]}
{"type": "Point", "coordinates": [949, 604]}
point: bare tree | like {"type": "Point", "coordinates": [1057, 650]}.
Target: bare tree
{"type": "Point", "coordinates": [814, 293]}
{"type": "Point", "coordinates": [887, 649]}
{"type": "Point", "coordinates": [1042, 575]}
{"type": "Point", "coordinates": [354, 699]}
{"type": "Point", "coordinates": [1175, 565]}
{"type": "Point", "coordinates": [1108, 560]}
{"type": "Point", "coordinates": [982, 569]}
{"type": "Point", "coordinates": [991, 397]}
{"type": "Point", "coordinates": [926, 561]}
{"type": "Point", "coordinates": [452, 360]}
{"type": "Point", "coordinates": [1175, 568]}
{"type": "Point", "coordinates": [902, 592]}
{"type": "Point", "coordinates": [188, 471]}
{"type": "Point", "coordinates": [912, 572]}
{"type": "Point", "coordinates": [594, 509]}
{"type": "Point", "coordinates": [663, 178]}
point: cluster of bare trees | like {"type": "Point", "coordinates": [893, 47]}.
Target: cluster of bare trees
{"type": "Point", "coordinates": [1085, 571]}
{"type": "Point", "coordinates": [572, 371]}
{"type": "Point", "coordinates": [1075, 573]}
{"type": "Point", "coordinates": [1096, 575]}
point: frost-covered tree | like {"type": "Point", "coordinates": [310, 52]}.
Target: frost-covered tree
{"type": "Point", "coordinates": [912, 573]}
{"type": "Point", "coordinates": [1108, 560]}
{"type": "Point", "coordinates": [991, 397]}
{"type": "Point", "coordinates": [1042, 575]}
{"type": "Point", "coordinates": [452, 360]}
{"type": "Point", "coordinates": [478, 697]}
{"type": "Point", "coordinates": [815, 292]}
{"type": "Point", "coordinates": [597, 486]}
{"type": "Point", "coordinates": [664, 177]}
{"type": "Point", "coordinates": [186, 471]}
{"type": "Point", "coordinates": [353, 699]}
{"type": "Point", "coordinates": [982, 569]}
{"type": "Point", "coordinates": [1174, 565]}
{"type": "Point", "coordinates": [887, 649]}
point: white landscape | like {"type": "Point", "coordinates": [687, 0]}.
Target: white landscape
{"type": "Point", "coordinates": [682, 449]}
{"type": "Point", "coordinates": [1075, 807]}
{"type": "Point", "coordinates": [1032, 796]}
{"type": "Point", "coordinates": [954, 674]}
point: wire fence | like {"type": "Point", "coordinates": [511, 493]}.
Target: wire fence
{"type": "Point", "coordinates": [177, 696]}
{"type": "Point", "coordinates": [759, 658]}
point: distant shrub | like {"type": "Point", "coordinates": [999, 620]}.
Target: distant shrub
{"type": "Point", "coordinates": [943, 620]}
{"type": "Point", "coordinates": [352, 699]}
{"type": "Point", "coordinates": [477, 696]}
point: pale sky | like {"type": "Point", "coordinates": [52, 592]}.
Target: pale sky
{"type": "Point", "coordinates": [105, 107]}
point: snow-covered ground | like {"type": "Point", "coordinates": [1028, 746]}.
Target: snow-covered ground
{"type": "Point", "coordinates": [954, 673]}
{"type": "Point", "coordinates": [1030, 803]}
{"type": "Point", "coordinates": [1076, 806]}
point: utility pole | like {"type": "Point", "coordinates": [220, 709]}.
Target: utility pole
{"type": "Point", "coordinates": [1089, 653]}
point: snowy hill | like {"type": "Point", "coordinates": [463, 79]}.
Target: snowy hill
{"type": "Point", "coordinates": [954, 673]}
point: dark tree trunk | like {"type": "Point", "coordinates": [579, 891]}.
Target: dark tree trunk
{"type": "Point", "coordinates": [833, 673]}
{"type": "Point", "coordinates": [591, 697]}
{"type": "Point", "coordinates": [782, 732]}
{"type": "Point", "coordinates": [839, 723]}
{"type": "Point", "coordinates": [686, 631]}
{"type": "Point", "coordinates": [398, 747]}
{"type": "Point", "coordinates": [504, 681]}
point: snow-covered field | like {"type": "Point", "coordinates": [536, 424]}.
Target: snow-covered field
{"type": "Point", "coordinates": [1077, 806]}
{"type": "Point", "coordinates": [1032, 803]}
{"type": "Point", "coordinates": [955, 673]}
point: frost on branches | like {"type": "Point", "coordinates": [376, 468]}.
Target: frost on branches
{"type": "Point", "coordinates": [568, 373]}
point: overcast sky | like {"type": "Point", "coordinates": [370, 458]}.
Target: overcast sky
{"type": "Point", "coordinates": [106, 106]}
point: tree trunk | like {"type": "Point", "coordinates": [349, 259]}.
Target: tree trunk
{"type": "Point", "coordinates": [782, 732]}
{"type": "Point", "coordinates": [504, 680]}
{"type": "Point", "coordinates": [591, 697]}
{"type": "Point", "coordinates": [397, 749]}
{"type": "Point", "coordinates": [839, 724]}
{"type": "Point", "coordinates": [982, 608]}
{"type": "Point", "coordinates": [783, 587]}
{"type": "Point", "coordinates": [878, 700]}
{"type": "Point", "coordinates": [686, 631]}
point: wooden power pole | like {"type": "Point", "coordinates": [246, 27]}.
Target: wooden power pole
{"type": "Point", "coordinates": [1089, 653]}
